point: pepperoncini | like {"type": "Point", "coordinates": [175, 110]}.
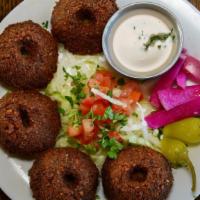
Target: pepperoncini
{"type": "Point", "coordinates": [176, 152]}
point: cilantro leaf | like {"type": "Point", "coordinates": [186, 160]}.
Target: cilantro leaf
{"type": "Point", "coordinates": [121, 81]}
{"type": "Point", "coordinates": [61, 110]}
{"type": "Point", "coordinates": [45, 24]}
{"type": "Point", "coordinates": [70, 100]}
{"type": "Point", "coordinates": [109, 93]}
{"type": "Point", "coordinates": [115, 117]}
{"type": "Point", "coordinates": [78, 84]}
{"type": "Point", "coordinates": [111, 145]}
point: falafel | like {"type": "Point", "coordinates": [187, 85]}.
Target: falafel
{"type": "Point", "coordinates": [29, 123]}
{"type": "Point", "coordinates": [28, 56]}
{"type": "Point", "coordinates": [139, 173]}
{"type": "Point", "coordinates": [79, 24]}
{"type": "Point", "coordinates": [64, 174]}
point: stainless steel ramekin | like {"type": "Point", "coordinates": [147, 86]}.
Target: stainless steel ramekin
{"type": "Point", "coordinates": [115, 21]}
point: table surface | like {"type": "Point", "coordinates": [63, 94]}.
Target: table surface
{"type": "Point", "coordinates": [7, 5]}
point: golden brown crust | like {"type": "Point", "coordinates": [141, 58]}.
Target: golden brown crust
{"type": "Point", "coordinates": [29, 123]}
{"type": "Point", "coordinates": [28, 56]}
{"type": "Point", "coordinates": [64, 174]}
{"type": "Point", "coordinates": [139, 173]}
{"type": "Point", "coordinates": [79, 24]}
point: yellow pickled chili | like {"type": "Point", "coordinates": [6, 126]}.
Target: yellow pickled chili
{"type": "Point", "coordinates": [176, 152]}
{"type": "Point", "coordinates": [186, 130]}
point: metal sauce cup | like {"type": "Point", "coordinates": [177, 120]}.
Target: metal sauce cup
{"type": "Point", "coordinates": [123, 14]}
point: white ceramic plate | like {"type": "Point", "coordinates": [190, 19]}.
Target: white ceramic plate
{"type": "Point", "coordinates": [13, 172]}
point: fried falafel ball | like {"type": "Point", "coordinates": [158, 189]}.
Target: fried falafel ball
{"type": "Point", "coordinates": [29, 123]}
{"type": "Point", "coordinates": [79, 24]}
{"type": "Point", "coordinates": [139, 173]}
{"type": "Point", "coordinates": [64, 174]}
{"type": "Point", "coordinates": [28, 56]}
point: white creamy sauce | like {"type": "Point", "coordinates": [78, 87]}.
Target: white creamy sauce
{"type": "Point", "coordinates": [131, 35]}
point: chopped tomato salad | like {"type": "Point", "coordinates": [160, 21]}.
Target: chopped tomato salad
{"type": "Point", "coordinates": [98, 113]}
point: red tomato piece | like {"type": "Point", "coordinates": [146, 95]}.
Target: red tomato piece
{"type": "Point", "coordinates": [124, 110]}
{"type": "Point", "coordinates": [103, 80]}
{"type": "Point", "coordinates": [92, 83]}
{"type": "Point", "coordinates": [89, 101]}
{"type": "Point", "coordinates": [115, 135]}
{"type": "Point", "coordinates": [128, 88]}
{"type": "Point", "coordinates": [99, 108]}
{"type": "Point", "coordinates": [74, 131]}
{"type": "Point", "coordinates": [87, 138]}
{"type": "Point", "coordinates": [84, 109]}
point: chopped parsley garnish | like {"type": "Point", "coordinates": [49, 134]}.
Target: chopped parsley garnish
{"type": "Point", "coordinates": [111, 145]}
{"type": "Point", "coordinates": [45, 24]}
{"type": "Point", "coordinates": [159, 46]}
{"type": "Point", "coordinates": [70, 100]}
{"type": "Point", "coordinates": [157, 37]}
{"type": "Point", "coordinates": [78, 84]}
{"type": "Point", "coordinates": [77, 67]}
{"type": "Point", "coordinates": [121, 81]}
{"type": "Point", "coordinates": [74, 116]}
{"type": "Point", "coordinates": [109, 93]}
{"type": "Point", "coordinates": [135, 114]}
{"type": "Point", "coordinates": [115, 117]}
{"type": "Point", "coordinates": [98, 197]}
{"type": "Point", "coordinates": [90, 149]}
{"type": "Point", "coordinates": [61, 111]}
{"type": "Point", "coordinates": [73, 143]}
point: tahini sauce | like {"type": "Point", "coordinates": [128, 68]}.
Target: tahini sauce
{"type": "Point", "coordinates": [131, 35]}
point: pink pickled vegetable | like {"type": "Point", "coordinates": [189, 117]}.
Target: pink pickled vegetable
{"type": "Point", "coordinates": [161, 118]}
{"type": "Point", "coordinates": [181, 79]}
{"type": "Point", "coordinates": [173, 97]}
{"type": "Point", "coordinates": [192, 68]}
{"type": "Point", "coordinates": [166, 81]}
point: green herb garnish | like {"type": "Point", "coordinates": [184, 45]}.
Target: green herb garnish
{"type": "Point", "coordinates": [159, 46]}
{"type": "Point", "coordinates": [97, 197]}
{"type": "Point", "coordinates": [61, 111]}
{"type": "Point", "coordinates": [135, 114]}
{"type": "Point", "coordinates": [90, 149]}
{"type": "Point", "coordinates": [45, 24]}
{"type": "Point", "coordinates": [121, 81]}
{"type": "Point", "coordinates": [70, 100]}
{"type": "Point", "coordinates": [157, 37]}
{"type": "Point", "coordinates": [78, 84]}
{"type": "Point", "coordinates": [116, 118]}
{"type": "Point", "coordinates": [109, 93]}
{"type": "Point", "coordinates": [111, 145]}
{"type": "Point", "coordinates": [77, 67]}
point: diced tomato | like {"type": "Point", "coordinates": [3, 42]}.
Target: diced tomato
{"type": "Point", "coordinates": [135, 96]}
{"type": "Point", "coordinates": [89, 101]}
{"type": "Point", "coordinates": [74, 131]}
{"type": "Point", "coordinates": [93, 83]}
{"type": "Point", "coordinates": [87, 138]}
{"type": "Point", "coordinates": [124, 110]}
{"type": "Point", "coordinates": [103, 80]}
{"type": "Point", "coordinates": [99, 108]}
{"type": "Point", "coordinates": [84, 109]}
{"type": "Point", "coordinates": [115, 135]}
{"type": "Point", "coordinates": [88, 125]}
{"type": "Point", "coordinates": [128, 88]}
{"type": "Point", "coordinates": [102, 122]}
{"type": "Point", "coordinates": [103, 73]}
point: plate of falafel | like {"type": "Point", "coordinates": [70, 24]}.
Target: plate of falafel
{"type": "Point", "coordinates": [73, 128]}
